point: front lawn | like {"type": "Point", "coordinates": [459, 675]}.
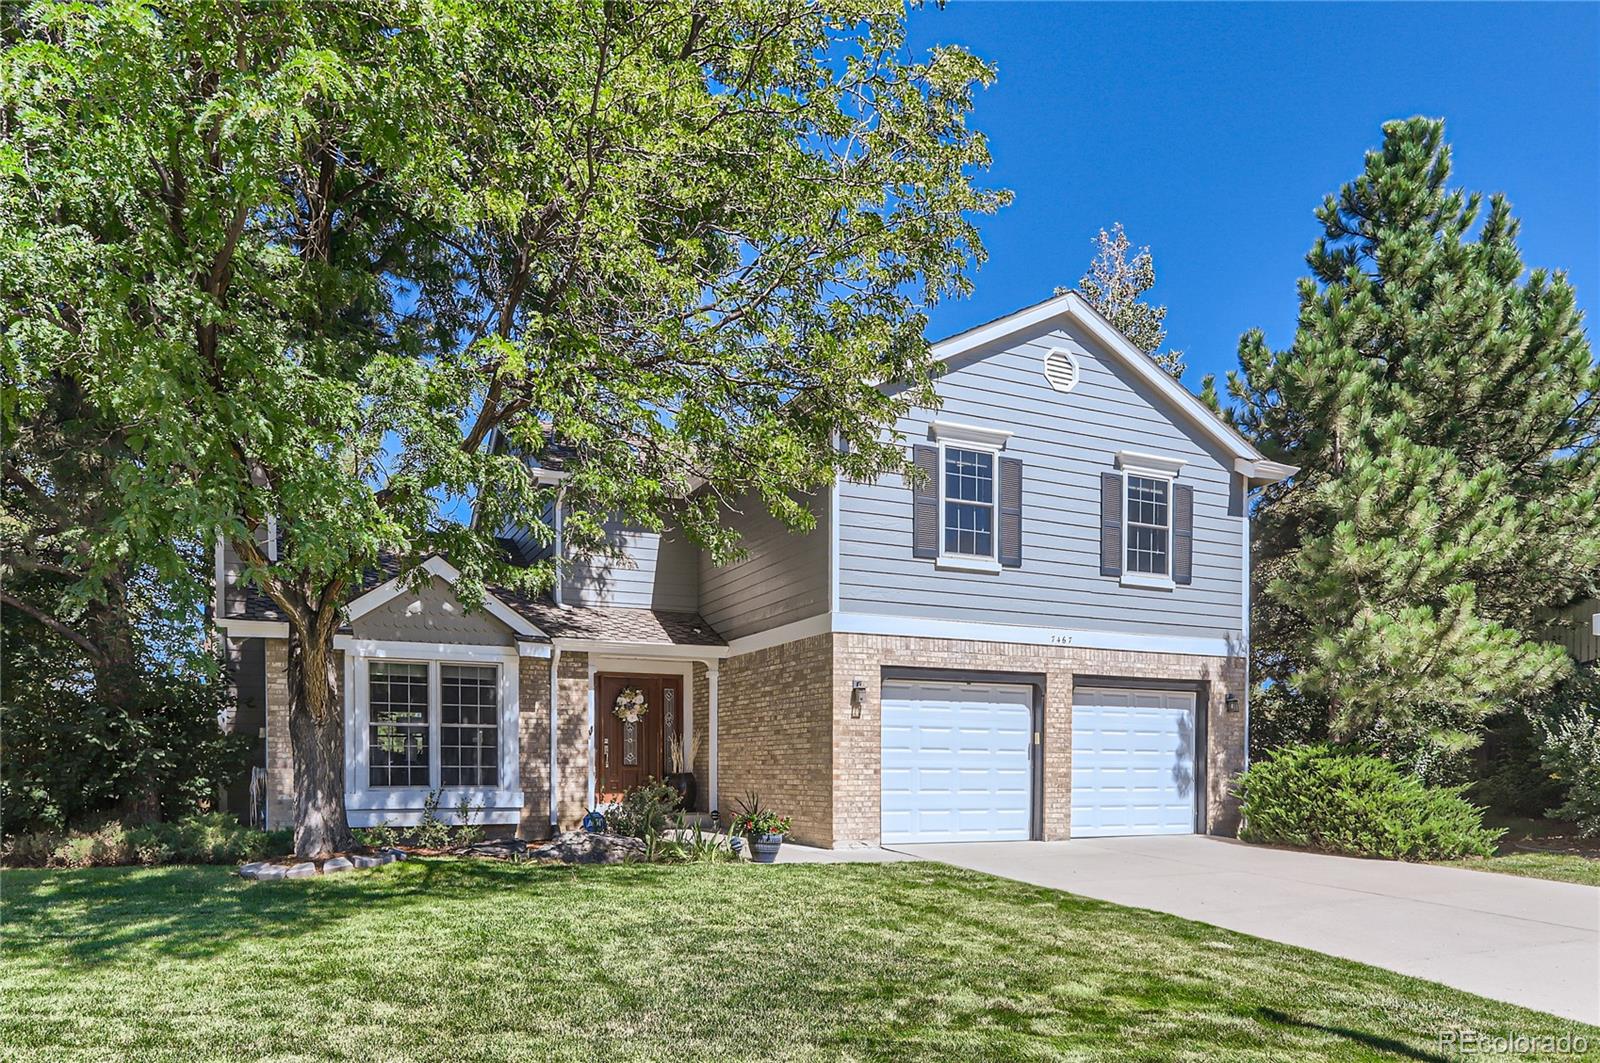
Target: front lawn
{"type": "Point", "coordinates": [440, 960]}
{"type": "Point", "coordinates": [1540, 848]}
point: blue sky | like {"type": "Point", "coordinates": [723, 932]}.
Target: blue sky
{"type": "Point", "coordinates": [1212, 131]}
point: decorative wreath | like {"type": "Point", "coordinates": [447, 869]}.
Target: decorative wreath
{"type": "Point", "coordinates": [630, 706]}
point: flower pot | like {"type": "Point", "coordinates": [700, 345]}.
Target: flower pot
{"type": "Point", "coordinates": [764, 847]}
{"type": "Point", "coordinates": [683, 784]}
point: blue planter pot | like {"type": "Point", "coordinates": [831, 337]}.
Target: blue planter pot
{"type": "Point", "coordinates": [764, 847]}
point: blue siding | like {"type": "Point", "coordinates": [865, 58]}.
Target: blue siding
{"type": "Point", "coordinates": [1065, 441]}
{"type": "Point", "coordinates": [655, 570]}
{"type": "Point", "coordinates": [782, 578]}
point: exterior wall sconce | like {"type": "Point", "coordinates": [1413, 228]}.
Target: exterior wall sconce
{"type": "Point", "coordinates": [1231, 703]}
{"type": "Point", "coordinates": [858, 691]}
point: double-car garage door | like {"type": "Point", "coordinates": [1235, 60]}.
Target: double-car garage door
{"type": "Point", "coordinates": [958, 764]}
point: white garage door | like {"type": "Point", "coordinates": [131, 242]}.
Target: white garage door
{"type": "Point", "coordinates": [1133, 762]}
{"type": "Point", "coordinates": [955, 762]}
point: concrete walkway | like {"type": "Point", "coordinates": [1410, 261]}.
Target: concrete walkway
{"type": "Point", "coordinates": [1521, 940]}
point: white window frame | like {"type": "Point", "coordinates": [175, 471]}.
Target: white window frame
{"type": "Point", "coordinates": [971, 562]}
{"type": "Point", "coordinates": [369, 805]}
{"type": "Point", "coordinates": [1147, 467]}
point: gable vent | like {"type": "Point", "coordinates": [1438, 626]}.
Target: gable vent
{"type": "Point", "coordinates": [1061, 370]}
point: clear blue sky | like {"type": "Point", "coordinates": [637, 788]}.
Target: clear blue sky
{"type": "Point", "coordinates": [1212, 131]}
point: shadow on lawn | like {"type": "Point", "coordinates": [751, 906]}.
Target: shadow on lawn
{"type": "Point", "coordinates": [95, 915]}
{"type": "Point", "coordinates": [1374, 1041]}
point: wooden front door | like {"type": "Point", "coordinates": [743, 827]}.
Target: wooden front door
{"type": "Point", "coordinates": [627, 754]}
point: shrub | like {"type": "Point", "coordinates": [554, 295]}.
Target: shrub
{"type": "Point", "coordinates": [1568, 727]}
{"type": "Point", "coordinates": [643, 811]}
{"type": "Point", "coordinates": [1335, 800]}
{"type": "Point", "coordinates": [383, 836]}
{"type": "Point", "coordinates": [431, 832]}
{"type": "Point", "coordinates": [210, 839]}
{"type": "Point", "coordinates": [467, 831]}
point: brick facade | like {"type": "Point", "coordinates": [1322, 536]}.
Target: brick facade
{"type": "Point", "coordinates": [572, 721]}
{"type": "Point", "coordinates": [533, 749]}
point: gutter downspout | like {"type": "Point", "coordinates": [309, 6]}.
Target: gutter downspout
{"type": "Point", "coordinates": [560, 549]}
{"type": "Point", "coordinates": [1244, 552]}
{"type": "Point", "coordinates": [555, 766]}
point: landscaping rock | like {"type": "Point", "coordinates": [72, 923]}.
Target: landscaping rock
{"type": "Point", "coordinates": [301, 870]}
{"type": "Point", "coordinates": [498, 849]}
{"type": "Point", "coordinates": [580, 847]}
{"type": "Point", "coordinates": [338, 863]}
{"type": "Point", "coordinates": [363, 860]}
{"type": "Point", "coordinates": [262, 871]}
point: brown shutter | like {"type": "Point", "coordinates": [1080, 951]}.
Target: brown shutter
{"type": "Point", "coordinates": [1110, 524]}
{"type": "Point", "coordinates": [925, 504]}
{"type": "Point", "coordinates": [1011, 512]}
{"type": "Point", "coordinates": [1182, 533]}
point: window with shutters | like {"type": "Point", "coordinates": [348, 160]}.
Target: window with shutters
{"type": "Point", "coordinates": [969, 503]}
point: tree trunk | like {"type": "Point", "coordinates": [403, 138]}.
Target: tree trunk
{"type": "Point", "coordinates": [316, 736]}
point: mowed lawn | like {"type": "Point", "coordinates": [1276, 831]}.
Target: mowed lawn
{"type": "Point", "coordinates": [440, 960]}
{"type": "Point", "coordinates": [1558, 867]}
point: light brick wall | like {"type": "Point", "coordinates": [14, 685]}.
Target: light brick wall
{"type": "Point", "coordinates": [856, 745]}
{"type": "Point", "coordinates": [776, 734]}
{"type": "Point", "coordinates": [572, 723]}
{"type": "Point", "coordinates": [533, 737]}
{"type": "Point", "coordinates": [700, 699]}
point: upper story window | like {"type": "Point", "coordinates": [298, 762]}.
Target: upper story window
{"type": "Point", "coordinates": [1149, 525]}
{"type": "Point", "coordinates": [969, 503]}
{"type": "Point", "coordinates": [431, 721]}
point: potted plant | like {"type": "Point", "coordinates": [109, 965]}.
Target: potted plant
{"type": "Point", "coordinates": [680, 761]}
{"type": "Point", "coordinates": [763, 828]}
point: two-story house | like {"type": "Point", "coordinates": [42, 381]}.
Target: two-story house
{"type": "Point", "coordinates": [1045, 639]}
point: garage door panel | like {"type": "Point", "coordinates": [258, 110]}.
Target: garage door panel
{"type": "Point", "coordinates": [1133, 762]}
{"type": "Point", "coordinates": [956, 762]}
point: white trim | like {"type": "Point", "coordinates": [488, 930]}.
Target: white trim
{"type": "Point", "coordinates": [442, 651]}
{"type": "Point", "coordinates": [971, 562]}
{"type": "Point", "coordinates": [438, 566]}
{"type": "Point", "coordinates": [1264, 471]}
{"type": "Point", "coordinates": [272, 537]}
{"type": "Point", "coordinates": [555, 731]}
{"type": "Point", "coordinates": [655, 651]}
{"type": "Point", "coordinates": [921, 627]}
{"type": "Point", "coordinates": [1074, 307]}
{"type": "Point", "coordinates": [254, 629]}
{"type": "Point", "coordinates": [219, 608]}
{"type": "Point", "coordinates": [590, 700]}
{"type": "Point", "coordinates": [712, 800]}
{"type": "Point", "coordinates": [682, 669]}
{"type": "Point", "coordinates": [532, 649]}
{"type": "Point", "coordinates": [1149, 580]}
{"type": "Point", "coordinates": [1244, 604]}
{"type": "Point", "coordinates": [1594, 624]}
{"type": "Point", "coordinates": [992, 438]}
{"type": "Point", "coordinates": [559, 556]}
{"type": "Point", "coordinates": [368, 805]}
{"type": "Point", "coordinates": [1149, 464]}
{"type": "Point", "coordinates": [833, 538]}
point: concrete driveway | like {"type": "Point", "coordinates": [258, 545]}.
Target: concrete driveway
{"type": "Point", "coordinates": [1525, 941]}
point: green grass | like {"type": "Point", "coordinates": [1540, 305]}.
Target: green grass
{"type": "Point", "coordinates": [439, 960]}
{"type": "Point", "coordinates": [1561, 867]}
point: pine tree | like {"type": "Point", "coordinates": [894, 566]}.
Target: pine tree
{"type": "Point", "coordinates": [1113, 286]}
{"type": "Point", "coordinates": [1445, 414]}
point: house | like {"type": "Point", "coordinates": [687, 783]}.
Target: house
{"type": "Point", "coordinates": [1047, 639]}
{"type": "Point", "coordinates": [1577, 629]}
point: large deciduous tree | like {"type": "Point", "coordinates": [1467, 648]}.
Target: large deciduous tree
{"type": "Point", "coordinates": [315, 258]}
{"type": "Point", "coordinates": [1444, 410]}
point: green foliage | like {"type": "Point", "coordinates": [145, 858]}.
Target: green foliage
{"type": "Point", "coordinates": [1444, 411]}
{"type": "Point", "coordinates": [71, 757]}
{"type": "Point", "coordinates": [205, 839]}
{"type": "Point", "coordinates": [468, 830]}
{"type": "Point", "coordinates": [687, 844]}
{"type": "Point", "coordinates": [382, 836]}
{"type": "Point", "coordinates": [751, 817]}
{"type": "Point", "coordinates": [1568, 727]}
{"type": "Point", "coordinates": [315, 259]}
{"type": "Point", "coordinates": [431, 831]}
{"type": "Point", "coordinates": [1333, 800]}
{"type": "Point", "coordinates": [1114, 286]}
{"type": "Point", "coordinates": [643, 811]}
{"type": "Point", "coordinates": [1513, 779]}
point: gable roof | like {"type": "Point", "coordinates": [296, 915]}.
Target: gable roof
{"type": "Point", "coordinates": [1072, 306]}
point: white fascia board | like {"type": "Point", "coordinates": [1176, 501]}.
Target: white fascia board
{"type": "Point", "coordinates": [1594, 624]}
{"type": "Point", "coordinates": [1074, 306]}
{"type": "Point", "coordinates": [438, 566]}
{"type": "Point", "coordinates": [237, 628]}
{"type": "Point", "coordinates": [1262, 471]}
{"type": "Point", "coordinates": [952, 432]}
{"type": "Point", "coordinates": [533, 649]}
{"type": "Point", "coordinates": [666, 651]}
{"type": "Point", "coordinates": [1150, 464]}
{"type": "Point", "coordinates": [430, 651]}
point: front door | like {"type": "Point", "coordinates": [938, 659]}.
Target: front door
{"type": "Point", "coordinates": [630, 752]}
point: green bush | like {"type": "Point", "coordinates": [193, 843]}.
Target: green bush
{"type": "Point", "coordinates": [1568, 729]}
{"type": "Point", "coordinates": [1334, 800]}
{"type": "Point", "coordinates": [210, 839]}
{"type": "Point", "coordinates": [643, 811]}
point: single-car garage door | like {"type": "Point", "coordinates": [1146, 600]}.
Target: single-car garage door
{"type": "Point", "coordinates": [1133, 762]}
{"type": "Point", "coordinates": [955, 762]}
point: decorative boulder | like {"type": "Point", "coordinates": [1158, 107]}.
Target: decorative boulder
{"type": "Point", "coordinates": [498, 849]}
{"type": "Point", "coordinates": [581, 847]}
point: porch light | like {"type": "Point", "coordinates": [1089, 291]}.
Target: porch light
{"type": "Point", "coordinates": [858, 690]}
{"type": "Point", "coordinates": [1231, 703]}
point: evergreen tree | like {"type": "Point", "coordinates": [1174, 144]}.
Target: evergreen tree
{"type": "Point", "coordinates": [1114, 285]}
{"type": "Point", "coordinates": [1444, 412]}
